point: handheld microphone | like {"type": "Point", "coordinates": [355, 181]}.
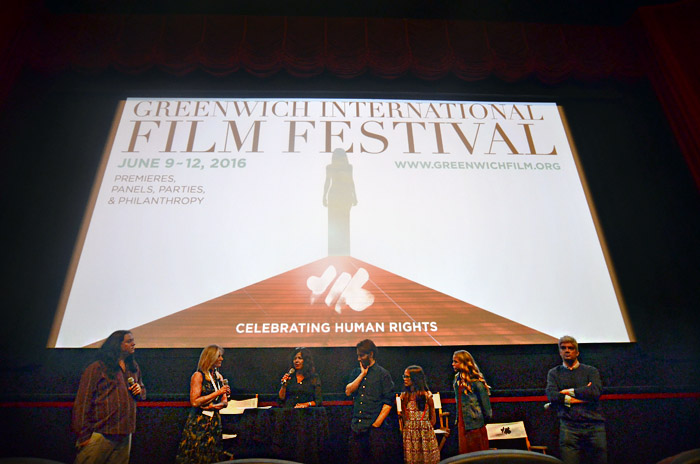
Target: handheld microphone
{"type": "Point", "coordinates": [286, 376]}
{"type": "Point", "coordinates": [225, 382]}
{"type": "Point", "coordinates": [130, 381]}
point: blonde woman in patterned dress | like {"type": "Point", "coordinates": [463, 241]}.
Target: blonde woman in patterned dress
{"type": "Point", "coordinates": [418, 411]}
{"type": "Point", "coordinates": [201, 437]}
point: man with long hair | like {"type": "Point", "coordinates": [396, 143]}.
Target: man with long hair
{"type": "Point", "coordinates": [573, 389]}
{"type": "Point", "coordinates": [373, 395]}
{"type": "Point", "coordinates": [104, 412]}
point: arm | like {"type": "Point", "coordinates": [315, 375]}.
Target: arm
{"type": "Point", "coordinates": [591, 391]}
{"type": "Point", "coordinates": [484, 400]}
{"type": "Point", "coordinates": [355, 384]}
{"type": "Point", "coordinates": [404, 401]}
{"type": "Point", "coordinates": [138, 389]}
{"type": "Point", "coordinates": [317, 399]}
{"type": "Point", "coordinates": [318, 394]}
{"type": "Point", "coordinates": [386, 409]}
{"type": "Point", "coordinates": [553, 390]}
{"type": "Point", "coordinates": [282, 395]}
{"type": "Point", "coordinates": [82, 407]}
{"type": "Point", "coordinates": [431, 409]}
{"type": "Point", "coordinates": [196, 398]}
{"type": "Point", "coordinates": [226, 392]}
{"type": "Point", "coordinates": [387, 398]}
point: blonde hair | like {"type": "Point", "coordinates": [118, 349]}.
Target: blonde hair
{"type": "Point", "coordinates": [208, 358]}
{"type": "Point", "coordinates": [472, 372]}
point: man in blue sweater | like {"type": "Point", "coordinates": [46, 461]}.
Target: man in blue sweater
{"type": "Point", "coordinates": [573, 389]}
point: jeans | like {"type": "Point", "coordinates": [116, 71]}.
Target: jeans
{"type": "Point", "coordinates": [583, 442]}
{"type": "Point", "coordinates": [374, 446]}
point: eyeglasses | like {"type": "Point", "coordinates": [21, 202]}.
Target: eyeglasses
{"type": "Point", "coordinates": [406, 376]}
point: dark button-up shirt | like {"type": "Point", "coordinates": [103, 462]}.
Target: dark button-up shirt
{"type": "Point", "coordinates": [103, 404]}
{"type": "Point", "coordinates": [375, 390]}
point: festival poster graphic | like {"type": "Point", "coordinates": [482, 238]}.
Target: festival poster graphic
{"type": "Point", "coordinates": [270, 223]}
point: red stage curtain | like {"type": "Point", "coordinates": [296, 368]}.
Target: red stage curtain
{"type": "Point", "coordinates": [347, 47]}
{"type": "Point", "coordinates": [673, 38]}
{"type": "Point", "coordinates": [385, 47]}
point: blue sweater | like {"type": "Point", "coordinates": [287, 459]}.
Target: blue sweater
{"type": "Point", "coordinates": [560, 378]}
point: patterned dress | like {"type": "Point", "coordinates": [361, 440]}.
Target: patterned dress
{"type": "Point", "coordinates": [201, 437]}
{"type": "Point", "coordinates": [420, 445]}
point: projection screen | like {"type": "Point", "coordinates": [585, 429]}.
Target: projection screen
{"type": "Point", "coordinates": [280, 222]}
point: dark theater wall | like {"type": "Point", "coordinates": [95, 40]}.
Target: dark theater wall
{"type": "Point", "coordinates": [53, 132]}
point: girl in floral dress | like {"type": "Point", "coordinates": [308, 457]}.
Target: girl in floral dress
{"type": "Point", "coordinates": [418, 411]}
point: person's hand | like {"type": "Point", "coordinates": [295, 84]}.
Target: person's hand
{"type": "Point", "coordinates": [364, 369]}
{"type": "Point", "coordinates": [217, 406]}
{"type": "Point", "coordinates": [83, 444]}
{"type": "Point", "coordinates": [225, 390]}
{"type": "Point", "coordinates": [135, 389]}
{"type": "Point", "coordinates": [285, 378]}
{"type": "Point", "coordinates": [301, 405]}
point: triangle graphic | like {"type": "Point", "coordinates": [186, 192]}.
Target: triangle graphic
{"type": "Point", "coordinates": [282, 312]}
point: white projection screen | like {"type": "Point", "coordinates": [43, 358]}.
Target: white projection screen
{"type": "Point", "coordinates": [280, 222]}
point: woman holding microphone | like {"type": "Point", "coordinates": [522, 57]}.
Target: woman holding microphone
{"type": "Point", "coordinates": [201, 437]}
{"type": "Point", "coordinates": [301, 386]}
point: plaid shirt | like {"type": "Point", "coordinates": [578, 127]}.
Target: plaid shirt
{"type": "Point", "coordinates": [103, 404]}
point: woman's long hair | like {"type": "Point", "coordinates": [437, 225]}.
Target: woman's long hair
{"type": "Point", "coordinates": [111, 350]}
{"type": "Point", "coordinates": [419, 386]}
{"type": "Point", "coordinates": [309, 369]}
{"type": "Point", "coordinates": [208, 358]}
{"type": "Point", "coordinates": [472, 373]}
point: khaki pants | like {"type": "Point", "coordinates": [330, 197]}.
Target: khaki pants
{"type": "Point", "coordinates": [101, 449]}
